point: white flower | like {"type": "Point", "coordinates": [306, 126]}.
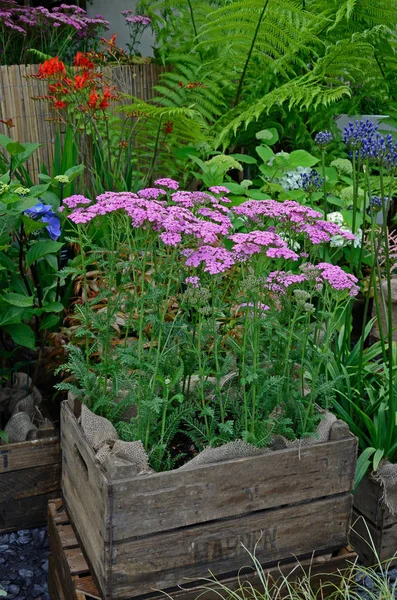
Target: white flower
{"type": "Point", "coordinates": [335, 217]}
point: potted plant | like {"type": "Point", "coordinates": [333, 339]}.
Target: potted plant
{"type": "Point", "coordinates": [197, 400]}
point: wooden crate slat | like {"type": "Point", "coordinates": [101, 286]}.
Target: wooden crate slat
{"type": "Point", "coordinates": [209, 493]}
{"type": "Point", "coordinates": [17, 485]}
{"type": "Point", "coordinates": [324, 570]}
{"type": "Point", "coordinates": [27, 455]}
{"type": "Point", "coordinates": [191, 552]}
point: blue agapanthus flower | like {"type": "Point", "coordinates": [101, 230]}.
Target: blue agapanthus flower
{"type": "Point", "coordinates": [311, 182]}
{"type": "Point", "coordinates": [323, 138]}
{"type": "Point", "coordinates": [45, 213]}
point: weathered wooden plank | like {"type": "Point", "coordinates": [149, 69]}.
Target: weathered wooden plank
{"type": "Point", "coordinates": [164, 501]}
{"type": "Point", "coordinates": [368, 500]}
{"type": "Point", "coordinates": [55, 584]}
{"type": "Point", "coordinates": [85, 490]}
{"type": "Point", "coordinates": [31, 454]}
{"type": "Point", "coordinates": [25, 513]}
{"type": "Point", "coordinates": [60, 563]}
{"type": "Point", "coordinates": [76, 561]}
{"type": "Point", "coordinates": [17, 485]}
{"type": "Point", "coordinates": [219, 546]}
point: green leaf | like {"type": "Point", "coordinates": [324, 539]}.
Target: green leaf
{"type": "Point", "coordinates": [257, 195]}
{"type": "Point", "coordinates": [52, 261]}
{"type": "Point", "coordinates": [5, 140]}
{"type": "Point", "coordinates": [74, 172]}
{"type": "Point", "coordinates": [4, 437]}
{"type": "Point", "coordinates": [348, 217]}
{"type": "Point", "coordinates": [18, 300]}
{"type": "Point", "coordinates": [269, 136]}
{"type": "Point", "coordinates": [301, 158]}
{"type": "Point", "coordinates": [292, 195]}
{"type": "Point", "coordinates": [53, 307]}
{"type": "Point", "coordinates": [49, 321]}
{"type": "Point", "coordinates": [31, 225]}
{"type": "Point", "coordinates": [38, 190]}
{"type": "Point", "coordinates": [234, 188]}
{"type": "Point", "coordinates": [244, 158]}
{"type": "Point", "coordinates": [6, 262]}
{"type": "Point", "coordinates": [363, 464]}
{"type": "Point", "coordinates": [22, 335]}
{"type": "Point", "coordinates": [45, 177]}
{"type": "Point", "coordinates": [379, 454]}
{"type": "Point", "coordinates": [40, 249]}
{"type": "Point", "coordinates": [14, 148]}
{"type": "Point", "coordinates": [336, 201]}
{"type": "Point", "coordinates": [24, 204]}
{"type": "Point", "coordinates": [237, 200]}
{"type": "Point", "coordinates": [265, 153]}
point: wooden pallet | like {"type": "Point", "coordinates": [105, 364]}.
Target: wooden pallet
{"type": "Point", "coordinates": [69, 576]}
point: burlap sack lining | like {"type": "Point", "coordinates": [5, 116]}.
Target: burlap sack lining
{"type": "Point", "coordinates": [20, 401]}
{"type": "Point", "coordinates": [103, 438]}
{"type": "Point", "coordinates": [386, 475]}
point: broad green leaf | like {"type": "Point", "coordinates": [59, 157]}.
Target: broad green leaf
{"type": "Point", "coordinates": [28, 149]}
{"type": "Point", "coordinates": [265, 153]}
{"type": "Point", "coordinates": [244, 158]}
{"type": "Point", "coordinates": [10, 315]}
{"type": "Point", "coordinates": [53, 307]}
{"type": "Point", "coordinates": [22, 335]}
{"type": "Point", "coordinates": [336, 201]}
{"type": "Point", "coordinates": [234, 188]}
{"type": "Point", "coordinates": [5, 140]}
{"type": "Point", "coordinates": [32, 225]}
{"type": "Point", "coordinates": [301, 158]}
{"type": "Point", "coordinates": [6, 262]}
{"type": "Point", "coordinates": [4, 437]}
{"type": "Point", "coordinates": [37, 190]}
{"type": "Point", "coordinates": [45, 177]}
{"type": "Point", "coordinates": [18, 300]}
{"type": "Point", "coordinates": [257, 195]}
{"type": "Point", "coordinates": [24, 203]}
{"type": "Point", "coordinates": [49, 321]}
{"type": "Point", "coordinates": [269, 136]}
{"type": "Point", "coordinates": [52, 260]}
{"type": "Point", "coordinates": [237, 200]}
{"type": "Point", "coordinates": [74, 172]}
{"type": "Point", "coordinates": [40, 249]}
{"type": "Point", "coordinates": [14, 148]}
{"type": "Point", "coordinates": [379, 454]}
{"type": "Point", "coordinates": [348, 217]}
{"type": "Point", "coordinates": [292, 195]}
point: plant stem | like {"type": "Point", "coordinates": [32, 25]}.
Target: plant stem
{"type": "Point", "coordinates": [244, 72]}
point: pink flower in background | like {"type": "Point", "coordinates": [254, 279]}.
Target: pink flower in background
{"type": "Point", "coordinates": [194, 281]}
{"type": "Point", "coordinates": [216, 260]}
{"type": "Point", "coordinates": [247, 244]}
{"type": "Point", "coordinates": [338, 278]}
{"type": "Point", "coordinates": [219, 189]}
{"type": "Point", "coordinates": [280, 281]}
{"type": "Point", "coordinates": [74, 201]}
{"type": "Point", "coordinates": [151, 193]}
{"type": "Point", "coordinates": [170, 184]}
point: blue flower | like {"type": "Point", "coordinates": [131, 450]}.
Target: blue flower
{"type": "Point", "coordinates": [359, 135]}
{"type": "Point", "coordinates": [47, 215]}
{"type": "Point", "coordinates": [323, 138]}
{"type": "Point", "coordinates": [376, 203]}
{"type": "Point", "coordinates": [311, 182]}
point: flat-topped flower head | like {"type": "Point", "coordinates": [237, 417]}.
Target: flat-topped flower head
{"type": "Point", "coordinates": [165, 182]}
{"type": "Point", "coordinates": [215, 260]}
{"type": "Point", "coordinates": [219, 189]}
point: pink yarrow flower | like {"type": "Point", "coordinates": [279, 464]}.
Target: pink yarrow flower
{"type": "Point", "coordinates": [194, 281]}
{"type": "Point", "coordinates": [216, 260]}
{"type": "Point", "coordinates": [170, 184]}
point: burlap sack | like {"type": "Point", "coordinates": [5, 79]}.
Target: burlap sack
{"type": "Point", "coordinates": [387, 476]}
{"type": "Point", "coordinates": [383, 320]}
{"type": "Point", "coordinates": [103, 437]}
{"type": "Point", "coordinates": [20, 428]}
{"type": "Point", "coordinates": [21, 397]}
{"type": "Point", "coordinates": [98, 430]}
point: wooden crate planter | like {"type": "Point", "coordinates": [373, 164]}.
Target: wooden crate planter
{"type": "Point", "coordinates": [155, 532]}
{"type": "Point", "coordinates": [30, 475]}
{"type": "Point", "coordinates": [372, 521]}
{"type": "Point", "coordinates": [69, 576]}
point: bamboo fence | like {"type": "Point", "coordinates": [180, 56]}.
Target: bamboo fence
{"type": "Point", "coordinates": [34, 119]}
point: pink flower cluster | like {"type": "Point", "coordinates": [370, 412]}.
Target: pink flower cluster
{"type": "Point", "coordinates": [298, 219]}
{"type": "Point", "coordinates": [338, 279]}
{"type": "Point", "coordinates": [280, 281]}
{"type": "Point", "coordinates": [170, 184]}
{"type": "Point", "coordinates": [219, 189]}
{"type": "Point", "coordinates": [193, 281]}
{"type": "Point", "coordinates": [216, 260]}
{"type": "Point", "coordinates": [260, 307]}
{"type": "Point", "coordinates": [75, 200]}
{"type": "Point", "coordinates": [247, 244]}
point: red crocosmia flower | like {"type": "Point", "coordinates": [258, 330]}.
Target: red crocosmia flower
{"type": "Point", "coordinates": [80, 81]}
{"type": "Point", "coordinates": [8, 122]}
{"type": "Point", "coordinates": [93, 99]}
{"type": "Point", "coordinates": [59, 104]}
{"type": "Point", "coordinates": [51, 68]}
{"type": "Point", "coordinates": [104, 104]}
{"type": "Point", "coordinates": [81, 60]}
